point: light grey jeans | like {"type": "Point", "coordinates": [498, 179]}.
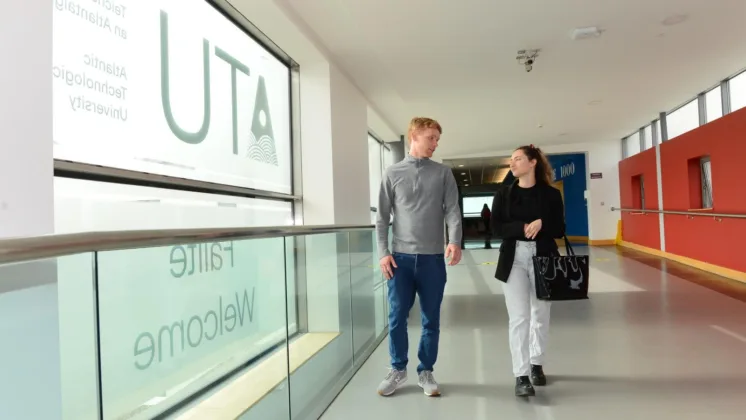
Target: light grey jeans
{"type": "Point", "coordinates": [529, 316]}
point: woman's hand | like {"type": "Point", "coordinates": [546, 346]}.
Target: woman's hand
{"type": "Point", "coordinates": [532, 229]}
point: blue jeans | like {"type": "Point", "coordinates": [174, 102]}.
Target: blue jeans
{"type": "Point", "coordinates": [424, 275]}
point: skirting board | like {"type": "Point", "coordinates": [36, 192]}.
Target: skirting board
{"type": "Point", "coordinates": [602, 242]}
{"type": "Point", "coordinates": [586, 240]}
{"type": "Point", "coordinates": [710, 268]}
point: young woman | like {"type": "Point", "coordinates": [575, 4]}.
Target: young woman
{"type": "Point", "coordinates": [527, 215]}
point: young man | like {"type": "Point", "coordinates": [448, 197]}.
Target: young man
{"type": "Point", "coordinates": [422, 195]}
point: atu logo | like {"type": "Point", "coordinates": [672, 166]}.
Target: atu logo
{"type": "Point", "coordinates": [262, 143]}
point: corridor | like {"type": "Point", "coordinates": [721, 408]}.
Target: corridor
{"type": "Point", "coordinates": [651, 343]}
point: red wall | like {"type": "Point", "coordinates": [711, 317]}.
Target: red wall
{"type": "Point", "coordinates": [641, 229]}
{"type": "Point", "coordinates": [705, 238]}
{"type": "Point", "coordinates": [701, 238]}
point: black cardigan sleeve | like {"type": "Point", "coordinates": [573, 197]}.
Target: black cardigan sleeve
{"type": "Point", "coordinates": [554, 224]}
{"type": "Point", "coordinates": [501, 228]}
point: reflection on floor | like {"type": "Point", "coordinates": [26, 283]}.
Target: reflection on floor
{"type": "Point", "coordinates": [648, 345]}
{"type": "Point", "coordinates": [481, 244]}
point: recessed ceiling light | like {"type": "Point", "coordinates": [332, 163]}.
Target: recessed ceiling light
{"type": "Point", "coordinates": [466, 185]}
{"type": "Point", "coordinates": [460, 166]}
{"type": "Point", "coordinates": [674, 19]}
{"type": "Point", "coordinates": [585, 33]}
{"type": "Point", "coordinates": [463, 173]}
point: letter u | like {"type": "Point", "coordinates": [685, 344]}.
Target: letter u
{"type": "Point", "coordinates": [183, 135]}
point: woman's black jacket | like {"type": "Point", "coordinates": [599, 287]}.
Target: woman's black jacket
{"type": "Point", "coordinates": [509, 230]}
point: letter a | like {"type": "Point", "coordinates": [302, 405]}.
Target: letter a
{"type": "Point", "coordinates": [262, 146]}
{"type": "Point", "coordinates": [185, 136]}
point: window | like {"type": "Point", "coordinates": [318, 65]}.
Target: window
{"type": "Point", "coordinates": [375, 169]}
{"type": "Point", "coordinates": [388, 157]}
{"type": "Point", "coordinates": [648, 136]}
{"type": "Point", "coordinates": [700, 183]}
{"type": "Point", "coordinates": [714, 104]}
{"type": "Point", "coordinates": [706, 180]}
{"type": "Point", "coordinates": [638, 192]}
{"type": "Point", "coordinates": [229, 125]}
{"type": "Point", "coordinates": [632, 144]}
{"type": "Point", "coordinates": [380, 157]}
{"type": "Point", "coordinates": [738, 92]}
{"type": "Point", "coordinates": [473, 205]}
{"type": "Point", "coordinates": [659, 134]}
{"type": "Point", "coordinates": [683, 119]}
{"type": "Point", "coordinates": [85, 206]}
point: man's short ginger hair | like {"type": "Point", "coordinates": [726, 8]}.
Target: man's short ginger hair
{"type": "Point", "coordinates": [418, 123]}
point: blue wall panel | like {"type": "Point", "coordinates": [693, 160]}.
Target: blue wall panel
{"type": "Point", "coordinates": [570, 169]}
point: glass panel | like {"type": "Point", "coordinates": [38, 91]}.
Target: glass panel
{"type": "Point", "coordinates": [738, 92]}
{"type": "Point", "coordinates": [683, 119]}
{"type": "Point", "coordinates": [109, 110]}
{"type": "Point", "coordinates": [388, 158]}
{"type": "Point", "coordinates": [632, 144]}
{"type": "Point", "coordinates": [78, 346]}
{"type": "Point", "coordinates": [47, 325]}
{"type": "Point", "coordinates": [176, 319]}
{"type": "Point", "coordinates": [82, 205]}
{"type": "Point", "coordinates": [648, 136]}
{"type": "Point", "coordinates": [714, 104]}
{"type": "Point", "coordinates": [323, 356]}
{"type": "Point", "coordinates": [379, 290]}
{"type": "Point", "coordinates": [658, 130]}
{"type": "Point", "coordinates": [363, 283]}
{"type": "Point", "coordinates": [706, 169]}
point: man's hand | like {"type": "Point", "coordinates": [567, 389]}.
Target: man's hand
{"type": "Point", "coordinates": [454, 253]}
{"type": "Point", "coordinates": [532, 229]}
{"type": "Point", "coordinates": [387, 266]}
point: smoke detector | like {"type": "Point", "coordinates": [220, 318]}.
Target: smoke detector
{"type": "Point", "coordinates": [585, 33]}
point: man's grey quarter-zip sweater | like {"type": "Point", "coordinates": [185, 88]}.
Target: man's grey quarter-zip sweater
{"type": "Point", "coordinates": [421, 195]}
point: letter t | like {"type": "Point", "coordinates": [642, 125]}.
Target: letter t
{"type": "Point", "coordinates": [235, 65]}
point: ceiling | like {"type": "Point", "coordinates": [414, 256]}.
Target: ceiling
{"type": "Point", "coordinates": [474, 172]}
{"type": "Point", "coordinates": [455, 61]}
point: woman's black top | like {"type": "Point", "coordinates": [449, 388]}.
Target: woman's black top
{"type": "Point", "coordinates": [524, 205]}
{"type": "Point", "coordinates": [513, 207]}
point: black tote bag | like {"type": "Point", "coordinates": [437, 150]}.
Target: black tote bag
{"type": "Point", "coordinates": [562, 277]}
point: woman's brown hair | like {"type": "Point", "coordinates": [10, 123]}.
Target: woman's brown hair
{"type": "Point", "coordinates": [543, 169]}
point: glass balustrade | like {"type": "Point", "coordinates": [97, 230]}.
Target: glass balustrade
{"type": "Point", "coordinates": [222, 329]}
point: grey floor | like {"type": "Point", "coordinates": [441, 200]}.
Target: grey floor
{"type": "Point", "coordinates": [647, 345]}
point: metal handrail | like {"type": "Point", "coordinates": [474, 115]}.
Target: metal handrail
{"type": "Point", "coordinates": [685, 213]}
{"type": "Point", "coordinates": [51, 246]}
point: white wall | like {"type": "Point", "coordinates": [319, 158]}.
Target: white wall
{"type": "Point", "coordinates": [350, 152]}
{"type": "Point", "coordinates": [380, 127]}
{"type": "Point", "coordinates": [29, 327]}
{"type": "Point", "coordinates": [602, 156]}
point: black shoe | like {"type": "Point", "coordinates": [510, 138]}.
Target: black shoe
{"type": "Point", "coordinates": [537, 376]}
{"type": "Point", "coordinates": [523, 387]}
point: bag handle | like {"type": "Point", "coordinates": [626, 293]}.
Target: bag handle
{"type": "Point", "coordinates": [568, 247]}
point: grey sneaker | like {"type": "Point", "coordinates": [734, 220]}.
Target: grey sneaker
{"type": "Point", "coordinates": [393, 381]}
{"type": "Point", "coordinates": [428, 384]}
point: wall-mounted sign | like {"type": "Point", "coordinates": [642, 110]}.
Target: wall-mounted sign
{"type": "Point", "coordinates": [596, 175]}
{"type": "Point", "coordinates": [565, 170]}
